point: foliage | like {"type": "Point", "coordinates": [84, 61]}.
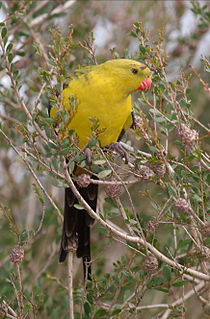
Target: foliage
{"type": "Point", "coordinates": [149, 243]}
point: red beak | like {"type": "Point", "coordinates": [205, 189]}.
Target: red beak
{"type": "Point", "coordinates": [145, 85]}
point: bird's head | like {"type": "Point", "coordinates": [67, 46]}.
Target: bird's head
{"type": "Point", "coordinates": [130, 75]}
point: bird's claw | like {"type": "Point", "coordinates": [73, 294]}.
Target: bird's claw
{"type": "Point", "coordinates": [88, 155]}
{"type": "Point", "coordinates": [117, 147]}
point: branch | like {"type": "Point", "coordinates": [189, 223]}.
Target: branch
{"type": "Point", "coordinates": [70, 284]}
{"type": "Point", "coordinates": [33, 174]}
{"type": "Point", "coordinates": [122, 234]}
{"type": "Point", "coordinates": [183, 298]}
{"type": "Point", "coordinates": [57, 10]}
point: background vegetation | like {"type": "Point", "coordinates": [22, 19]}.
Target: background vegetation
{"type": "Point", "coordinates": [159, 200]}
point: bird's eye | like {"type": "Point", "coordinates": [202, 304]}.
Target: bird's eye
{"type": "Point", "coordinates": [134, 71]}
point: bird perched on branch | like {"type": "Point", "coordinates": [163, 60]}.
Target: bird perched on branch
{"type": "Point", "coordinates": [103, 92]}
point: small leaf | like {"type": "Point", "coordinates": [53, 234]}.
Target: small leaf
{"type": "Point", "coordinates": [167, 273]}
{"type": "Point", "coordinates": [78, 206]}
{"type": "Point", "coordinates": [3, 32]}
{"type": "Point", "coordinates": [154, 111]}
{"type": "Point", "coordinates": [100, 313]}
{"type": "Point", "coordinates": [55, 164]}
{"type": "Point", "coordinates": [159, 119]}
{"type": "Point", "coordinates": [65, 151]}
{"type": "Point", "coordinates": [10, 57]}
{"type": "Point", "coordinates": [166, 290]}
{"type": "Point", "coordinates": [99, 162]}
{"type": "Point", "coordinates": [179, 283]}
{"type": "Point", "coordinates": [142, 49]}
{"type": "Point", "coordinates": [87, 308]}
{"type": "Point", "coordinates": [26, 308]}
{"type": "Point", "coordinates": [104, 173]}
{"type": "Point", "coordinates": [115, 312]}
{"type": "Point", "coordinates": [5, 40]}
{"type": "Point", "coordinates": [92, 143]}
{"type": "Point", "coordinates": [127, 212]}
{"type": "Point", "coordinates": [71, 167]}
{"type": "Point", "coordinates": [9, 47]}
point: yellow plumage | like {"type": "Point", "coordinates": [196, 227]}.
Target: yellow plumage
{"type": "Point", "coordinates": [104, 93]}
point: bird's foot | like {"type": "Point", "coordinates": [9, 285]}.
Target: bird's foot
{"type": "Point", "coordinates": [88, 155]}
{"type": "Point", "coordinates": [70, 243]}
{"type": "Point", "coordinates": [118, 148]}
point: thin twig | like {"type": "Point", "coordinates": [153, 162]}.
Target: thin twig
{"type": "Point", "coordinates": [180, 300]}
{"type": "Point", "coordinates": [57, 10]}
{"type": "Point", "coordinates": [122, 234]}
{"type": "Point", "coordinates": [33, 174]}
{"type": "Point", "coordinates": [20, 294]}
{"type": "Point", "coordinates": [70, 284]}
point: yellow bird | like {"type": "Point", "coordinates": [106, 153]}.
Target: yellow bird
{"type": "Point", "coordinates": [104, 93]}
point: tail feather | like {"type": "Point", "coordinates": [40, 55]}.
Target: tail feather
{"type": "Point", "coordinates": [76, 227]}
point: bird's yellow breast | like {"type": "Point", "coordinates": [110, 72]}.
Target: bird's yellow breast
{"type": "Point", "coordinates": [98, 98]}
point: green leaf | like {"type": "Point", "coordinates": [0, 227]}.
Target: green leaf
{"type": "Point", "coordinates": [71, 167]}
{"type": "Point", "coordinates": [15, 73]}
{"type": "Point", "coordinates": [65, 151]}
{"type": "Point", "coordinates": [79, 158]}
{"type": "Point", "coordinates": [153, 149]}
{"type": "Point", "coordinates": [171, 190]}
{"type": "Point", "coordinates": [39, 194]}
{"type": "Point", "coordinates": [104, 173]}
{"type": "Point", "coordinates": [55, 164]}
{"type": "Point", "coordinates": [167, 273]}
{"type": "Point", "coordinates": [92, 143]}
{"type": "Point", "coordinates": [179, 283]}
{"type": "Point", "coordinates": [142, 49]}
{"type": "Point", "coordinates": [78, 206]}
{"type": "Point", "coordinates": [50, 120]}
{"type": "Point", "coordinates": [156, 281]}
{"type": "Point", "coordinates": [100, 313]}
{"type": "Point", "coordinates": [9, 47]}
{"type": "Point", "coordinates": [52, 62]}
{"type": "Point", "coordinates": [3, 32]}
{"type": "Point", "coordinates": [127, 212]}
{"type": "Point", "coordinates": [115, 312]}
{"type": "Point", "coordinates": [24, 236]}
{"type": "Point", "coordinates": [159, 119]}
{"type": "Point", "coordinates": [99, 162]}
{"type": "Point", "coordinates": [5, 40]}
{"type": "Point", "coordinates": [10, 57]}
{"type": "Point", "coordinates": [26, 308]}
{"type": "Point", "coordinates": [163, 289]}
{"type": "Point", "coordinates": [87, 308]}
{"type": "Point", "coordinates": [154, 111]}
{"type": "Point", "coordinates": [137, 25]}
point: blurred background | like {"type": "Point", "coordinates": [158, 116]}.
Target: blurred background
{"type": "Point", "coordinates": [186, 37]}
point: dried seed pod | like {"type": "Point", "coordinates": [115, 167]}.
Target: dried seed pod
{"type": "Point", "coordinates": [152, 225]}
{"type": "Point", "coordinates": [186, 135]}
{"type": "Point", "coordinates": [138, 124]}
{"type": "Point", "coordinates": [159, 155]}
{"type": "Point", "coordinates": [158, 169]}
{"type": "Point", "coordinates": [205, 229]}
{"type": "Point", "coordinates": [3, 309]}
{"type": "Point", "coordinates": [150, 264]}
{"type": "Point", "coordinates": [206, 252]}
{"type": "Point", "coordinates": [83, 180]}
{"type": "Point", "coordinates": [181, 205]}
{"type": "Point", "coordinates": [146, 173]}
{"type": "Point", "coordinates": [17, 254]}
{"type": "Point", "coordinates": [113, 191]}
{"type": "Point", "coordinates": [2, 312]}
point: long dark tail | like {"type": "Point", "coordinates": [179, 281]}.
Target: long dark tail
{"type": "Point", "coordinates": [76, 227]}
